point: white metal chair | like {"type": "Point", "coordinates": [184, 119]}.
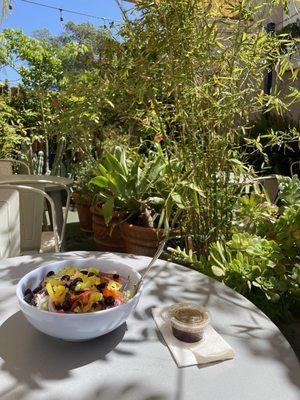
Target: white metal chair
{"type": "Point", "coordinates": [6, 166]}
{"type": "Point", "coordinates": [270, 186]}
{"type": "Point", "coordinates": [295, 168]}
{"type": "Point", "coordinates": [56, 217]}
{"type": "Point", "coordinates": [15, 239]}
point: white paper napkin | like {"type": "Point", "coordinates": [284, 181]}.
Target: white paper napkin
{"type": "Point", "coordinates": [211, 348]}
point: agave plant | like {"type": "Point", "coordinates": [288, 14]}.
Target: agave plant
{"type": "Point", "coordinates": [133, 183]}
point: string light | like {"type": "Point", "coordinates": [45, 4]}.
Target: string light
{"type": "Point", "coordinates": [61, 10]}
{"type": "Point", "coordinates": [112, 22]}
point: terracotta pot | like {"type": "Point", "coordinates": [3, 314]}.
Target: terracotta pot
{"type": "Point", "coordinates": [83, 205]}
{"type": "Point", "coordinates": [108, 237]}
{"type": "Point", "coordinates": [140, 240]}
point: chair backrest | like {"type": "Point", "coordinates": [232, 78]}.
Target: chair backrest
{"type": "Point", "coordinates": [295, 168]}
{"type": "Point", "coordinates": [6, 166]}
{"type": "Point", "coordinates": [270, 184]}
{"type": "Point", "coordinates": [10, 223]}
{"type": "Point", "coordinates": [31, 219]}
{"type": "Point", "coordinates": [28, 223]}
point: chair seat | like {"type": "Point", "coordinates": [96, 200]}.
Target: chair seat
{"type": "Point", "coordinates": [47, 242]}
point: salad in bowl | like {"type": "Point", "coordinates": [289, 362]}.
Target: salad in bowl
{"type": "Point", "coordinates": [74, 290]}
{"type": "Point", "coordinates": [80, 299]}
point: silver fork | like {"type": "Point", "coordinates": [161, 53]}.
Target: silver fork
{"type": "Point", "coordinates": [155, 257]}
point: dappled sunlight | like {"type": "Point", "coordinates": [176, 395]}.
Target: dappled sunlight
{"type": "Point", "coordinates": [245, 327]}
{"type": "Point", "coordinates": [18, 358]}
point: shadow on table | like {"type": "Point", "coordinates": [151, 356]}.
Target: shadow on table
{"type": "Point", "coordinates": [28, 353]}
{"type": "Point", "coordinates": [131, 391]}
{"type": "Point", "coordinates": [262, 339]}
{"type": "Point", "coordinates": [278, 348]}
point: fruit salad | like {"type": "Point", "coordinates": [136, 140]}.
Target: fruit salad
{"type": "Point", "coordinates": [73, 290]}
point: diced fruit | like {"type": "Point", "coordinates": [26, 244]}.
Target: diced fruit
{"type": "Point", "coordinates": [114, 285]}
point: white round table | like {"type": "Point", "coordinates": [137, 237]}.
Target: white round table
{"type": "Point", "coordinates": [133, 363]}
{"type": "Point", "coordinates": [49, 181]}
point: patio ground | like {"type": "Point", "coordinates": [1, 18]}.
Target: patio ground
{"type": "Point", "coordinates": [79, 240]}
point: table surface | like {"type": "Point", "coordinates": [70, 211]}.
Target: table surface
{"type": "Point", "coordinates": [46, 180]}
{"type": "Point", "coordinates": [133, 363]}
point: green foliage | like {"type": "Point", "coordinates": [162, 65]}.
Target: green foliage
{"type": "Point", "coordinates": [273, 142]}
{"type": "Point", "coordinates": [184, 73]}
{"type": "Point", "coordinates": [262, 258]}
{"type": "Point", "coordinates": [83, 174]}
{"type": "Point", "coordinates": [254, 266]}
{"type": "Point", "coordinates": [255, 215]}
{"type": "Point", "coordinates": [267, 264]}
{"type": "Point", "coordinates": [244, 260]}
{"type": "Point", "coordinates": [57, 75]}
{"type": "Point", "coordinates": [289, 190]}
{"type": "Point", "coordinates": [133, 183]}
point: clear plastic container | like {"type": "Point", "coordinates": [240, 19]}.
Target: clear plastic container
{"type": "Point", "coordinates": [188, 321]}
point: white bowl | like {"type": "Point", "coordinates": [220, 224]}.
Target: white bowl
{"type": "Point", "coordinates": [78, 327]}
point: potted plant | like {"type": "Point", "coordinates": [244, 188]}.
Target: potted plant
{"type": "Point", "coordinates": [135, 185]}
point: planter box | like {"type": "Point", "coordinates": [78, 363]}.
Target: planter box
{"type": "Point", "coordinates": [107, 237]}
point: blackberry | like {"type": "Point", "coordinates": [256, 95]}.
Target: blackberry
{"type": "Point", "coordinates": [101, 286]}
{"type": "Point", "coordinates": [27, 291]}
{"type": "Point", "coordinates": [37, 289]}
{"type": "Point", "coordinates": [66, 306]}
{"type": "Point", "coordinates": [76, 280]}
{"type": "Point", "coordinates": [28, 297]}
{"type": "Point", "coordinates": [116, 276]}
{"type": "Point", "coordinates": [109, 301]}
{"type": "Point", "coordinates": [50, 273]}
{"type": "Point", "coordinates": [84, 271]}
{"type": "Point", "coordinates": [72, 286]}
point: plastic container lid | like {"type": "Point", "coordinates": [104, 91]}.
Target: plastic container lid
{"type": "Point", "coordinates": [188, 317]}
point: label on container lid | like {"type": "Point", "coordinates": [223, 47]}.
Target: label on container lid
{"type": "Point", "coordinates": [188, 315]}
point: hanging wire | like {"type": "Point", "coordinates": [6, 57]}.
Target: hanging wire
{"type": "Point", "coordinates": [70, 11]}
